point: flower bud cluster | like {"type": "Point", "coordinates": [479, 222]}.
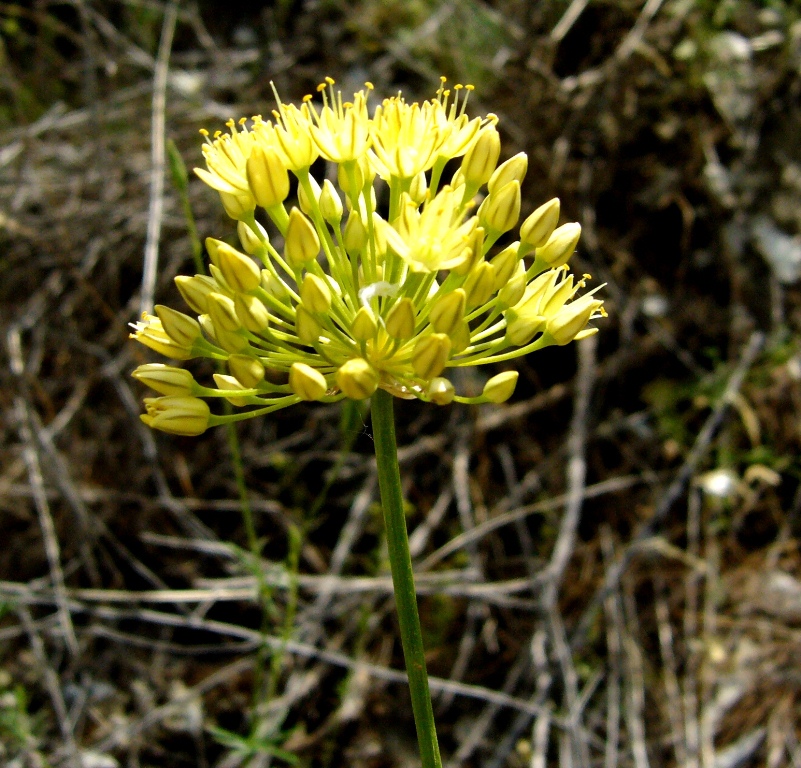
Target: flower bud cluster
{"type": "Point", "coordinates": [343, 295]}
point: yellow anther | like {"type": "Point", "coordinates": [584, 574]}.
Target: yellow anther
{"type": "Point", "coordinates": [330, 80]}
{"type": "Point", "coordinates": [320, 89]}
{"type": "Point", "coordinates": [204, 132]}
{"type": "Point", "coordinates": [369, 86]}
{"type": "Point", "coordinates": [470, 87]}
{"type": "Point", "coordinates": [307, 98]}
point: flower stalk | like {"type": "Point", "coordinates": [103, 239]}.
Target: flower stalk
{"type": "Point", "coordinates": [400, 560]}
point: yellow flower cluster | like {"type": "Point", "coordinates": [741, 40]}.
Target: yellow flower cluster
{"type": "Point", "coordinates": [364, 285]}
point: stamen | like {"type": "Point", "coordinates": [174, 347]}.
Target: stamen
{"type": "Point", "coordinates": [468, 89]}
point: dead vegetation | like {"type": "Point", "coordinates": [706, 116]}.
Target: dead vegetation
{"type": "Point", "coordinates": [608, 566]}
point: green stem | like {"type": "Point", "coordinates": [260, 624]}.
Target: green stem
{"type": "Point", "coordinates": [386, 453]}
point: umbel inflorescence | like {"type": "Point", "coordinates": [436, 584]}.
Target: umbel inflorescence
{"type": "Point", "coordinates": [368, 284]}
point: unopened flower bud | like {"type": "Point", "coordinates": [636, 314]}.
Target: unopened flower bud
{"type": "Point", "coordinates": [330, 203]}
{"type": "Point", "coordinates": [355, 234]}
{"type": "Point", "coordinates": [195, 291]}
{"type": "Point", "coordinates": [177, 415]}
{"type": "Point", "coordinates": [208, 326]}
{"type": "Point", "coordinates": [251, 313]}
{"type": "Point", "coordinates": [513, 291]}
{"type": "Point", "coordinates": [315, 294]}
{"type": "Point", "coordinates": [181, 328]}
{"type": "Point", "coordinates": [307, 205]}
{"type": "Point", "coordinates": [220, 282]}
{"type": "Point", "coordinates": [238, 207]}
{"type": "Point", "coordinates": [239, 270]}
{"type": "Point", "coordinates": [223, 381]}
{"type": "Point", "coordinates": [302, 243]}
{"type": "Point", "coordinates": [505, 264]}
{"type": "Point", "coordinates": [364, 326]}
{"type": "Point", "coordinates": [306, 327]}
{"type": "Point", "coordinates": [272, 284]}
{"type": "Point", "coordinates": [222, 311]}
{"type": "Point", "coordinates": [400, 320]}
{"type": "Point", "coordinates": [514, 169]}
{"type": "Point", "coordinates": [380, 231]}
{"type": "Point", "coordinates": [501, 209]}
{"type": "Point", "coordinates": [345, 182]}
{"type": "Point", "coordinates": [460, 338]}
{"type": "Point", "coordinates": [500, 388]}
{"type": "Point", "coordinates": [212, 244]}
{"type": "Point", "coordinates": [307, 382]}
{"type": "Point", "coordinates": [480, 284]}
{"type": "Point", "coordinates": [430, 355]}
{"type": "Point", "coordinates": [252, 242]}
{"type": "Point", "coordinates": [539, 226]}
{"type": "Point", "coordinates": [440, 391]}
{"type": "Point", "coordinates": [246, 369]}
{"type": "Point", "coordinates": [165, 379]}
{"type": "Point", "coordinates": [448, 311]}
{"type": "Point", "coordinates": [561, 244]}
{"type": "Point", "coordinates": [357, 379]}
{"type": "Point", "coordinates": [480, 160]}
{"type": "Point", "coordinates": [267, 176]}
{"type": "Point", "coordinates": [418, 188]}
{"type": "Point", "coordinates": [408, 219]}
{"type": "Point", "coordinates": [232, 342]}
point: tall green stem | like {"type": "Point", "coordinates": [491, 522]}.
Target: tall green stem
{"type": "Point", "coordinates": [400, 560]}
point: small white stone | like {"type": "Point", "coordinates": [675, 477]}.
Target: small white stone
{"type": "Point", "coordinates": [720, 483]}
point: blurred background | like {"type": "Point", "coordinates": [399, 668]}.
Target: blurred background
{"type": "Point", "coordinates": [608, 564]}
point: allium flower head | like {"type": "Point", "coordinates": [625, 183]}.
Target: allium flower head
{"type": "Point", "coordinates": [385, 282]}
